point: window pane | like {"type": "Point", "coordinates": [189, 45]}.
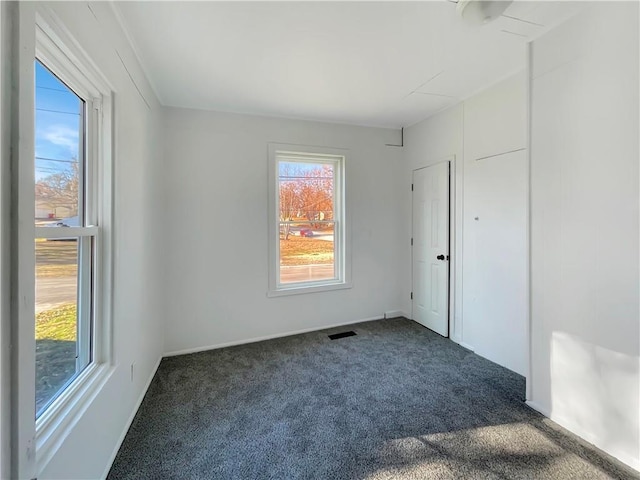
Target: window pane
{"type": "Point", "coordinates": [305, 191]}
{"type": "Point", "coordinates": [56, 317]}
{"type": "Point", "coordinates": [306, 210]}
{"type": "Point", "coordinates": [59, 151]}
{"type": "Point", "coordinates": [307, 252]}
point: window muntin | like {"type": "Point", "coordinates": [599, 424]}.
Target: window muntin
{"type": "Point", "coordinates": [309, 208]}
{"type": "Point", "coordinates": [65, 236]}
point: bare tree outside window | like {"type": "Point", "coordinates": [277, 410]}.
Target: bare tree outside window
{"type": "Point", "coordinates": [60, 190]}
{"type": "Point", "coordinates": [307, 220]}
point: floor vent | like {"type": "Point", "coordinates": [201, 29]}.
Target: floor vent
{"type": "Point", "coordinates": [336, 336]}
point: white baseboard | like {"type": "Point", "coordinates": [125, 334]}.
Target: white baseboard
{"type": "Point", "coordinates": [627, 460]}
{"type": "Point", "coordinates": [585, 435]}
{"type": "Point", "coordinates": [467, 346]}
{"type": "Point", "coordinates": [130, 420]}
{"type": "Point", "coordinates": [266, 337]}
{"type": "Point", "coordinates": [538, 408]}
{"type": "Point", "coordinates": [394, 314]}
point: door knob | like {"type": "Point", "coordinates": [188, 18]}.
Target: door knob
{"type": "Point", "coordinates": [440, 257]}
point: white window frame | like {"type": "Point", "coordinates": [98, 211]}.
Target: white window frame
{"type": "Point", "coordinates": [88, 233]}
{"type": "Point", "coordinates": [5, 227]}
{"type": "Point", "coordinates": [342, 258]}
{"type": "Point", "coordinates": [59, 51]}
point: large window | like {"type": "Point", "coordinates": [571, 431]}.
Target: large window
{"type": "Point", "coordinates": [65, 236]}
{"type": "Point", "coordinates": [71, 193]}
{"type": "Point", "coordinates": [308, 244]}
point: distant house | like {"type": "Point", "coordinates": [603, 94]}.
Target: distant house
{"type": "Point", "coordinates": [45, 209]}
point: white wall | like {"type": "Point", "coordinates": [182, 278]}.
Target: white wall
{"type": "Point", "coordinates": [201, 269]}
{"type": "Point", "coordinates": [489, 123]}
{"type": "Point", "coordinates": [90, 443]}
{"type": "Point", "coordinates": [585, 228]}
{"type": "Point", "coordinates": [495, 224]}
{"type": "Point", "coordinates": [431, 141]}
{"type": "Point", "coordinates": [216, 228]}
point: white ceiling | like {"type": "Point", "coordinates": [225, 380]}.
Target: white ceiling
{"type": "Point", "coordinates": [365, 63]}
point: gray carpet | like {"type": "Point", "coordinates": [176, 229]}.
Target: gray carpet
{"type": "Point", "coordinates": [394, 402]}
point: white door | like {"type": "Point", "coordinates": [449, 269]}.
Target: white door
{"type": "Point", "coordinates": [431, 247]}
{"type": "Point", "coordinates": [495, 263]}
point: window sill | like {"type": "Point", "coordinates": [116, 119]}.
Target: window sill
{"type": "Point", "coordinates": [55, 423]}
{"type": "Point", "coordinates": [299, 289]}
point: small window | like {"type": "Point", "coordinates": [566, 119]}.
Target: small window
{"type": "Point", "coordinates": [308, 244]}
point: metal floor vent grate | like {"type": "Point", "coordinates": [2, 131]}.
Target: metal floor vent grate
{"type": "Point", "coordinates": [336, 336]}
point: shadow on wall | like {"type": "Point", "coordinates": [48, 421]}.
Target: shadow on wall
{"type": "Point", "coordinates": [595, 390]}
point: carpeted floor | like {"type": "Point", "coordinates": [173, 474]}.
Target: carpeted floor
{"type": "Point", "coordinates": [394, 402]}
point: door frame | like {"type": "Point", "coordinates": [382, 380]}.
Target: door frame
{"type": "Point", "coordinates": [453, 328]}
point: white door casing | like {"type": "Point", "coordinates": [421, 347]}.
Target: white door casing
{"type": "Point", "coordinates": [430, 251]}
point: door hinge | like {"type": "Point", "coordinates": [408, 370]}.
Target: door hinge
{"type": "Point", "coordinates": [411, 295]}
{"type": "Point", "coordinates": [412, 242]}
{"type": "Point", "coordinates": [412, 187]}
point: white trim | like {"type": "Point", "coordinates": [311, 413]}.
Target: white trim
{"type": "Point", "coordinates": [460, 235]}
{"type": "Point", "coordinates": [529, 333]}
{"type": "Point", "coordinates": [23, 464]}
{"type": "Point", "coordinates": [584, 434]}
{"type": "Point", "coordinates": [64, 413]}
{"type": "Point", "coordinates": [6, 72]}
{"type": "Point", "coordinates": [342, 231]}
{"type": "Point", "coordinates": [122, 23]}
{"type": "Point", "coordinates": [187, 351]}
{"type": "Point", "coordinates": [104, 241]}
{"type": "Point", "coordinates": [66, 232]}
{"type": "Point", "coordinates": [56, 34]}
{"type": "Point", "coordinates": [299, 288]}
{"type": "Point", "coordinates": [57, 49]}
{"type": "Point", "coordinates": [467, 346]}
{"type": "Point", "coordinates": [538, 408]}
{"type": "Point", "coordinates": [128, 423]}
{"type": "Point", "coordinates": [452, 333]}
{"type": "Point", "coordinates": [453, 259]}
{"type": "Point", "coordinates": [395, 314]}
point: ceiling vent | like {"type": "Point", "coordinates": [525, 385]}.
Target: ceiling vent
{"type": "Point", "coordinates": [480, 12]}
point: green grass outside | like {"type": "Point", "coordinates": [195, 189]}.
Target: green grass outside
{"type": "Point", "coordinates": [57, 324]}
{"type": "Point", "coordinates": [55, 351]}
